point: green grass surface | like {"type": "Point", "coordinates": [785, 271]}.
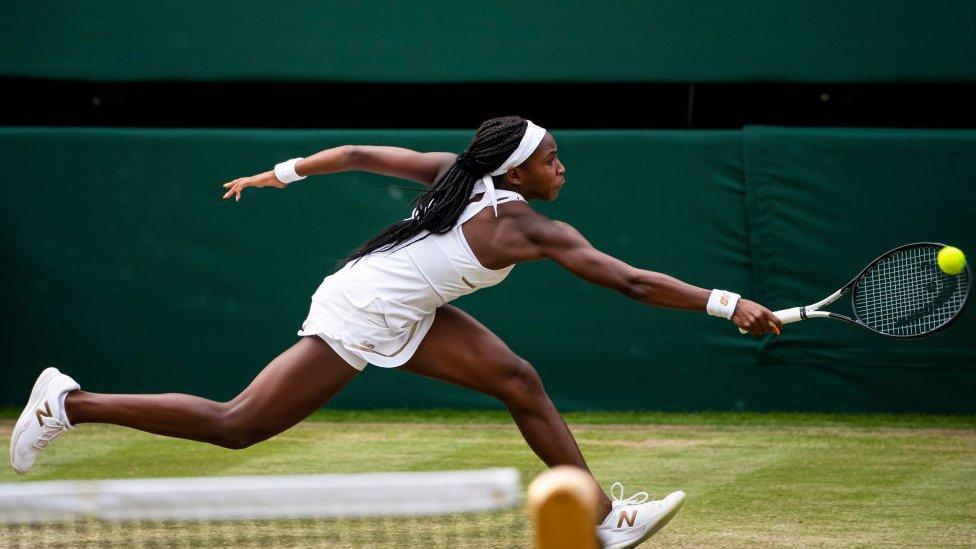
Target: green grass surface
{"type": "Point", "coordinates": [753, 480]}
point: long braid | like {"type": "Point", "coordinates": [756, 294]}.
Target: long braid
{"type": "Point", "coordinates": [438, 208]}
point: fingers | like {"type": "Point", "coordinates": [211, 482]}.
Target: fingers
{"type": "Point", "coordinates": [753, 326]}
{"type": "Point", "coordinates": [763, 325]}
{"type": "Point", "coordinates": [234, 191]}
{"type": "Point", "coordinates": [234, 188]}
{"type": "Point", "coordinates": [758, 327]}
{"type": "Point", "coordinates": [749, 317]}
{"type": "Point", "coordinates": [758, 320]}
{"type": "Point", "coordinates": [766, 323]}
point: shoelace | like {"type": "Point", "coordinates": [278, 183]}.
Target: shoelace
{"type": "Point", "coordinates": [52, 429]}
{"type": "Point", "coordinates": [618, 500]}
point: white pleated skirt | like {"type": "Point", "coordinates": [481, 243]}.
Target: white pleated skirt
{"type": "Point", "coordinates": [360, 332]}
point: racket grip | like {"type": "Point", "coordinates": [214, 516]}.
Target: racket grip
{"type": "Point", "coordinates": [789, 315]}
{"type": "Point", "coordinates": [785, 316]}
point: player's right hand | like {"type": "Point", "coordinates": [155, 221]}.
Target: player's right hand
{"type": "Point", "coordinates": [755, 319]}
{"type": "Point", "coordinates": [266, 179]}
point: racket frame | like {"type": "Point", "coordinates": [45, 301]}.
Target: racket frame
{"type": "Point", "coordinates": [795, 314]}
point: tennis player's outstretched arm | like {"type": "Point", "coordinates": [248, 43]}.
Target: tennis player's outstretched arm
{"type": "Point", "coordinates": [541, 237]}
{"type": "Point", "coordinates": [421, 167]}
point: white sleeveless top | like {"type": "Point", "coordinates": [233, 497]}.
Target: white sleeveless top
{"type": "Point", "coordinates": [382, 305]}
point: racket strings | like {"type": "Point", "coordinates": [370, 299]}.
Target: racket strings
{"type": "Point", "coordinates": [906, 294]}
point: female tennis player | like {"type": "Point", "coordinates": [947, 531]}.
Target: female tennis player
{"type": "Point", "coordinates": [388, 306]}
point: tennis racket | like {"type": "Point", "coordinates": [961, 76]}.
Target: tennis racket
{"type": "Point", "coordinates": [902, 294]}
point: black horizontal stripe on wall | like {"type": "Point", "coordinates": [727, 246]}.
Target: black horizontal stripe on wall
{"type": "Point", "coordinates": [33, 102]}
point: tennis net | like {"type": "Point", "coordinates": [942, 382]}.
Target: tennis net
{"type": "Point", "coordinates": [429, 509]}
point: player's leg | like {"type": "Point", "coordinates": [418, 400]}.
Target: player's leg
{"type": "Point", "coordinates": [461, 350]}
{"type": "Point", "coordinates": [292, 386]}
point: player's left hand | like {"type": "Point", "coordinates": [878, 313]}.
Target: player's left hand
{"type": "Point", "coordinates": [266, 179]}
{"type": "Point", "coordinates": [755, 319]}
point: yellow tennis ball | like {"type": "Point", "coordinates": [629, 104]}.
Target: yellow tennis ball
{"type": "Point", "coordinates": [951, 260]}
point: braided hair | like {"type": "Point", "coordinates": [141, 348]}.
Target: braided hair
{"type": "Point", "coordinates": [438, 208]}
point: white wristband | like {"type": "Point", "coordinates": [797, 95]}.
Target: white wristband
{"type": "Point", "coordinates": [285, 171]}
{"type": "Point", "coordinates": [722, 303]}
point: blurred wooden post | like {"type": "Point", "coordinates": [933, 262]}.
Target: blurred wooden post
{"type": "Point", "coordinates": [563, 505]}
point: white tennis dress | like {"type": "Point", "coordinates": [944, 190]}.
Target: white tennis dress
{"type": "Point", "coordinates": [378, 309]}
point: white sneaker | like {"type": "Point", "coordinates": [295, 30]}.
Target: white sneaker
{"type": "Point", "coordinates": [42, 420]}
{"type": "Point", "coordinates": [633, 520]}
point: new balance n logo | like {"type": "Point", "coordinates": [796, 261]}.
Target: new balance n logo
{"type": "Point", "coordinates": [629, 518]}
{"type": "Point", "coordinates": [46, 412]}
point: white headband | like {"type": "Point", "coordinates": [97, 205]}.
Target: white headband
{"type": "Point", "coordinates": [530, 141]}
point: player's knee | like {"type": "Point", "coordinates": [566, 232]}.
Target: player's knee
{"type": "Point", "coordinates": [235, 430]}
{"type": "Point", "coordinates": [238, 440]}
{"type": "Point", "coordinates": [522, 387]}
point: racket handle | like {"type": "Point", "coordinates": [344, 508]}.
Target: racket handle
{"type": "Point", "coordinates": [785, 316]}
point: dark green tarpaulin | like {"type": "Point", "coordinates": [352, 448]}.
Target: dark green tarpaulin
{"type": "Point", "coordinates": [507, 41]}
{"type": "Point", "coordinates": [122, 265]}
{"type": "Point", "coordinates": [822, 203]}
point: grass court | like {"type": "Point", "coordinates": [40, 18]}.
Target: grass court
{"type": "Point", "coordinates": [753, 480]}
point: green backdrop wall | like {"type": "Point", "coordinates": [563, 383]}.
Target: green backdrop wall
{"type": "Point", "coordinates": [122, 265]}
{"type": "Point", "coordinates": [512, 41]}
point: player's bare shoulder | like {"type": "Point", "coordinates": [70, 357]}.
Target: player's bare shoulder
{"type": "Point", "coordinates": [543, 230]}
{"type": "Point", "coordinates": [529, 234]}
{"type": "Point", "coordinates": [518, 219]}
